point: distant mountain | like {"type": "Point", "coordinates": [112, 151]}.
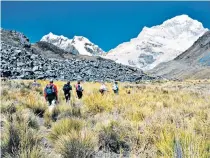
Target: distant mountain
{"type": "Point", "coordinates": [51, 51]}
{"type": "Point", "coordinates": [77, 45]}
{"type": "Point", "coordinates": [43, 60]}
{"type": "Point", "coordinates": [193, 63]}
{"type": "Point", "coordinates": [158, 44]}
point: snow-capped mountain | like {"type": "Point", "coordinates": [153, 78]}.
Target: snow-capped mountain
{"type": "Point", "coordinates": [158, 44]}
{"type": "Point", "coordinates": [77, 45]}
{"type": "Point", "coordinates": [192, 63]}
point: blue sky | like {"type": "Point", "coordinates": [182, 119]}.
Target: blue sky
{"type": "Point", "coordinates": [106, 24]}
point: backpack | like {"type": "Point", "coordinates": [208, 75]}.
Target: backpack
{"type": "Point", "coordinates": [115, 87]}
{"type": "Point", "coordinates": [50, 90]}
{"type": "Point", "coordinates": [79, 88]}
{"type": "Point", "coordinates": [67, 88]}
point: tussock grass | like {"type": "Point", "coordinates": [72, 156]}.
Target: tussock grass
{"type": "Point", "coordinates": [112, 137]}
{"type": "Point", "coordinates": [34, 102]}
{"type": "Point", "coordinates": [63, 127]}
{"type": "Point", "coordinates": [76, 144]}
{"type": "Point", "coordinates": [21, 137]}
{"type": "Point", "coordinates": [8, 107]}
{"type": "Point", "coordinates": [61, 112]}
{"type": "Point", "coordinates": [154, 119]}
{"type": "Point", "coordinates": [96, 103]}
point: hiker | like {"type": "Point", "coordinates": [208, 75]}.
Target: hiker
{"type": "Point", "coordinates": [79, 90]}
{"type": "Point", "coordinates": [102, 89]}
{"type": "Point", "coordinates": [51, 93]}
{"type": "Point", "coordinates": [115, 88]}
{"type": "Point", "coordinates": [35, 84]}
{"type": "Point", "coordinates": [66, 89]}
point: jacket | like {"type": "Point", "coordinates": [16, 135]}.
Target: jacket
{"type": "Point", "coordinates": [55, 88]}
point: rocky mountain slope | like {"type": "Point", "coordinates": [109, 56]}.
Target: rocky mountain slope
{"type": "Point", "coordinates": [193, 63]}
{"type": "Point", "coordinates": [158, 44]}
{"type": "Point", "coordinates": [21, 60]}
{"type": "Point", "coordinates": [49, 50]}
{"type": "Point", "coordinates": [77, 45]}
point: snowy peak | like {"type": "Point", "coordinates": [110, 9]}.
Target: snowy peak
{"type": "Point", "coordinates": [81, 38]}
{"type": "Point", "coordinates": [181, 20]}
{"type": "Point", "coordinates": [159, 43]}
{"type": "Point", "coordinates": [77, 45]}
{"type": "Point", "coordinates": [174, 27]}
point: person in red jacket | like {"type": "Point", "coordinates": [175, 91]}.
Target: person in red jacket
{"type": "Point", "coordinates": [51, 93]}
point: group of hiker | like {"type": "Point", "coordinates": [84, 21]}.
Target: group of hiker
{"type": "Point", "coordinates": [51, 91]}
{"type": "Point", "coordinates": [103, 88]}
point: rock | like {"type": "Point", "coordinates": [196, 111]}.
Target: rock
{"type": "Point", "coordinates": [35, 68]}
{"type": "Point", "coordinates": [5, 73]}
{"type": "Point", "coordinates": [23, 63]}
{"type": "Point", "coordinates": [19, 64]}
{"type": "Point", "coordinates": [41, 76]}
{"type": "Point", "coordinates": [18, 51]}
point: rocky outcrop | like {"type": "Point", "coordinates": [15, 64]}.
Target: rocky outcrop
{"type": "Point", "coordinates": [15, 38]}
{"type": "Point", "coordinates": [20, 62]}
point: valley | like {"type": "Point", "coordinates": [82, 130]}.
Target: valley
{"type": "Point", "coordinates": [161, 110]}
{"type": "Point", "coordinates": [156, 119]}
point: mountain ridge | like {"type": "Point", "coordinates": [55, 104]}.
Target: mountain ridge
{"type": "Point", "coordinates": [192, 63]}
{"type": "Point", "coordinates": [152, 46]}
{"type": "Point", "coordinates": [77, 45]}
{"type": "Point", "coordinates": [159, 43]}
{"type": "Point", "coordinates": [21, 60]}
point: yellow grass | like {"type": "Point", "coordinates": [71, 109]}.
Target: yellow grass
{"type": "Point", "coordinates": [154, 120]}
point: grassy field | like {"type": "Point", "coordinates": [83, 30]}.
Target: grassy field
{"type": "Point", "coordinates": [161, 119]}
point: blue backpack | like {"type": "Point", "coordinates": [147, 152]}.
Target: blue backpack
{"type": "Point", "coordinates": [50, 90]}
